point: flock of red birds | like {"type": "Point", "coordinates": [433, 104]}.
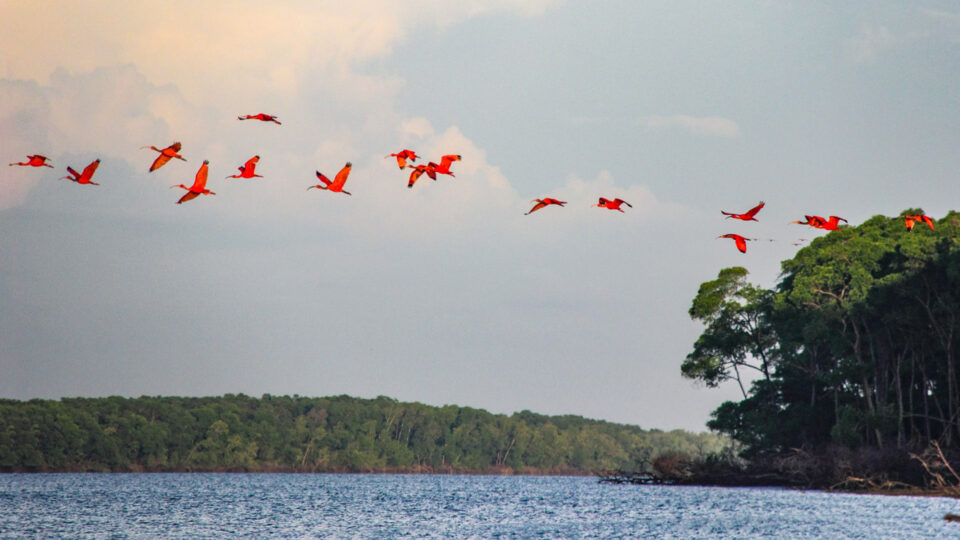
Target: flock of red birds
{"type": "Point", "coordinates": [817, 222]}
{"type": "Point", "coordinates": [405, 159]}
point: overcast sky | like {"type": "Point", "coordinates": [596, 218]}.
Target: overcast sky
{"type": "Point", "coordinates": [445, 293]}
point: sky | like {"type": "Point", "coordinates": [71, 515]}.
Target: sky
{"type": "Point", "coordinates": [445, 293]}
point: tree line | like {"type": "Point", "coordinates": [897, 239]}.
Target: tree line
{"type": "Point", "coordinates": [855, 347]}
{"type": "Point", "coordinates": [235, 432]}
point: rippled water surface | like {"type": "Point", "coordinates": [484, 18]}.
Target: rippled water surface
{"type": "Point", "coordinates": [391, 506]}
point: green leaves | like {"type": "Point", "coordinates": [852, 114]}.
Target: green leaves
{"type": "Point", "coordinates": [857, 342]}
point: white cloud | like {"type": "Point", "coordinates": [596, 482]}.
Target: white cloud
{"type": "Point", "coordinates": [251, 51]}
{"type": "Point", "coordinates": [710, 125]}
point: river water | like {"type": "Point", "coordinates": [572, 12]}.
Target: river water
{"type": "Point", "coordinates": [416, 506]}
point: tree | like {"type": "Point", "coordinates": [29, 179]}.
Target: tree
{"type": "Point", "coordinates": [737, 335]}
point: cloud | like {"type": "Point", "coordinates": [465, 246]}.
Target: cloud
{"type": "Point", "coordinates": [710, 125]}
{"type": "Point", "coordinates": [253, 52]}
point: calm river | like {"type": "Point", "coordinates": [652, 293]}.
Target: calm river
{"type": "Point", "coordinates": [392, 506]}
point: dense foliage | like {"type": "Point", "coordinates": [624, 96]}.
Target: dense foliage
{"type": "Point", "coordinates": [855, 347]}
{"type": "Point", "coordinates": [241, 433]}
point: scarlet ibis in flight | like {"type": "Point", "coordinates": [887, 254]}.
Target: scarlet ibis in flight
{"type": "Point", "coordinates": [86, 176]}
{"type": "Point", "coordinates": [248, 169]}
{"type": "Point", "coordinates": [199, 186]}
{"type": "Point", "coordinates": [402, 157]}
{"type": "Point", "coordinates": [911, 219]}
{"type": "Point", "coordinates": [818, 222]}
{"type": "Point", "coordinates": [338, 181]}
{"type": "Point", "coordinates": [614, 204]}
{"type": "Point", "coordinates": [544, 202]}
{"type": "Point", "coordinates": [418, 172]}
{"type": "Point", "coordinates": [813, 221]}
{"type": "Point", "coordinates": [166, 155]}
{"type": "Point", "coordinates": [445, 162]}
{"type": "Point", "coordinates": [747, 216]}
{"type": "Point", "coordinates": [739, 240]}
{"type": "Point", "coordinates": [831, 224]}
{"type": "Point", "coordinates": [262, 117]}
{"type": "Point", "coordinates": [34, 161]}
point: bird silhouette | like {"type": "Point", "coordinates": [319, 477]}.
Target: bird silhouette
{"type": "Point", "coordinates": [338, 181]}
{"type": "Point", "coordinates": [86, 176]}
{"type": "Point", "coordinates": [34, 161]}
{"type": "Point", "coordinates": [614, 204]}
{"type": "Point", "coordinates": [544, 202]}
{"type": "Point", "coordinates": [740, 241]}
{"type": "Point", "coordinates": [402, 157]}
{"type": "Point", "coordinates": [248, 169]}
{"type": "Point", "coordinates": [262, 117]}
{"type": "Point", "coordinates": [199, 186]}
{"type": "Point", "coordinates": [747, 216]}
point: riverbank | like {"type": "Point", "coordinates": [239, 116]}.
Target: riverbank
{"type": "Point", "coordinates": [831, 469]}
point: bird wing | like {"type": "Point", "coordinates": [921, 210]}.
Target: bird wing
{"type": "Point", "coordinates": [188, 196]}
{"type": "Point", "coordinates": [415, 175]}
{"type": "Point", "coordinates": [753, 211]}
{"type": "Point", "coordinates": [251, 164]}
{"type": "Point", "coordinates": [341, 178]}
{"type": "Point", "coordinates": [624, 202]}
{"type": "Point", "coordinates": [448, 159]}
{"type": "Point", "coordinates": [90, 169]}
{"type": "Point", "coordinates": [741, 243]}
{"type": "Point", "coordinates": [161, 160]}
{"type": "Point", "coordinates": [928, 221]}
{"type": "Point", "coordinates": [175, 147]}
{"type": "Point", "coordinates": [540, 204]}
{"type": "Point", "coordinates": [324, 179]}
{"type": "Point", "coordinates": [200, 181]}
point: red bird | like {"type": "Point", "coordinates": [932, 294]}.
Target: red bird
{"type": "Point", "coordinates": [402, 157]}
{"type": "Point", "coordinates": [34, 161]}
{"type": "Point", "coordinates": [248, 169]}
{"type": "Point", "coordinates": [813, 221]}
{"type": "Point", "coordinates": [338, 181]}
{"type": "Point", "coordinates": [748, 216]}
{"type": "Point", "coordinates": [911, 219]}
{"type": "Point", "coordinates": [544, 202]}
{"type": "Point", "coordinates": [166, 155]}
{"type": "Point", "coordinates": [445, 162]}
{"type": "Point", "coordinates": [199, 186]}
{"type": "Point", "coordinates": [831, 224]}
{"type": "Point", "coordinates": [262, 117]}
{"type": "Point", "coordinates": [86, 176]}
{"type": "Point", "coordinates": [739, 240]}
{"type": "Point", "coordinates": [418, 172]}
{"type": "Point", "coordinates": [818, 222]}
{"type": "Point", "coordinates": [614, 204]}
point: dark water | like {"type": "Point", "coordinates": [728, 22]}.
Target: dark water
{"type": "Point", "coordinates": [392, 506]}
